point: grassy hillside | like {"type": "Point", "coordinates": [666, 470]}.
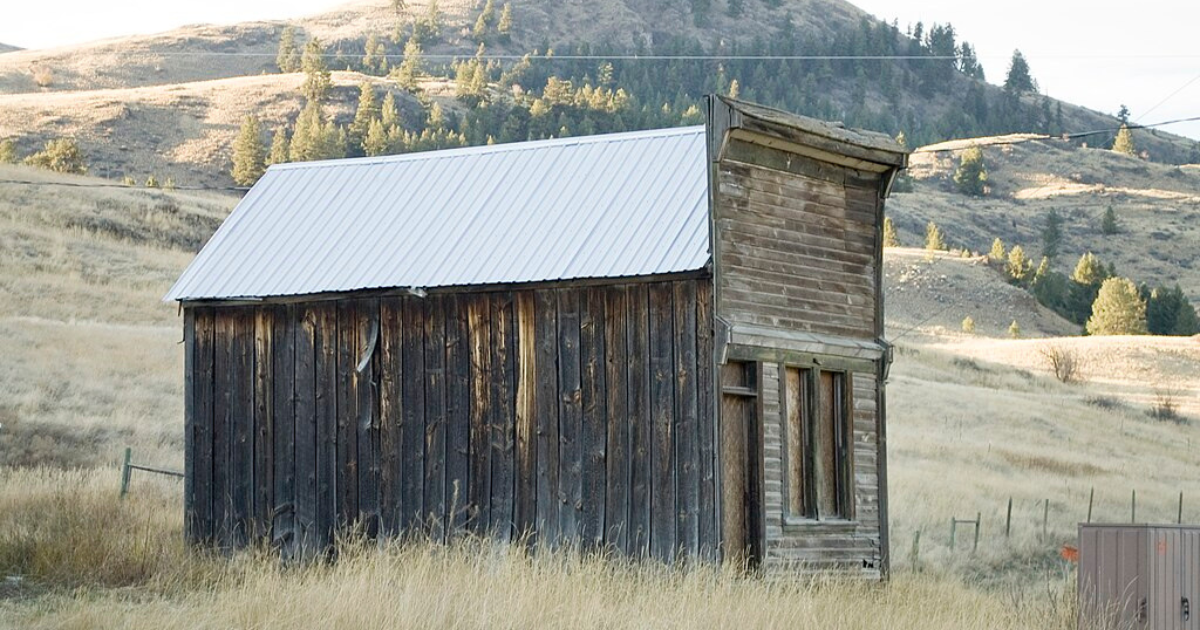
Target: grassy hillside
{"type": "Point", "coordinates": [170, 101]}
{"type": "Point", "coordinates": [1158, 207]}
{"type": "Point", "coordinates": [7, 48]}
{"type": "Point", "coordinates": [181, 131]}
{"type": "Point", "coordinates": [90, 354]}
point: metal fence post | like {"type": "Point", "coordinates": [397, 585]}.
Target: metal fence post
{"type": "Point", "coordinates": [1091, 497]}
{"type": "Point", "coordinates": [978, 520]}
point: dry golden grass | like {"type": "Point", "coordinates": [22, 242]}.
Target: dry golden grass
{"type": "Point", "coordinates": [92, 562]}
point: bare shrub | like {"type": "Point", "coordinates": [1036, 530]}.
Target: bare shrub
{"type": "Point", "coordinates": [1064, 363]}
{"type": "Point", "coordinates": [43, 77]}
{"type": "Point", "coordinates": [1166, 405]}
{"type": "Point", "coordinates": [1108, 403]}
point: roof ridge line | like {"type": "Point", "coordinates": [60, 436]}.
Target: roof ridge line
{"type": "Point", "coordinates": [508, 147]}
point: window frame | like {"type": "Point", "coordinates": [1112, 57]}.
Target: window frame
{"type": "Point", "coordinates": [810, 370]}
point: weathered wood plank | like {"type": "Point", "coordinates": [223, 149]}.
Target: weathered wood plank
{"type": "Point", "coordinates": [707, 526]}
{"type": "Point", "coordinates": [203, 529]}
{"type": "Point", "coordinates": [223, 376]}
{"type": "Point", "coordinates": [662, 405]}
{"type": "Point", "coordinates": [595, 417]}
{"type": "Point", "coordinates": [391, 410]}
{"type": "Point", "coordinates": [262, 445]}
{"type": "Point", "coordinates": [307, 538]}
{"type": "Point", "coordinates": [412, 431]}
{"type": "Point", "coordinates": [435, 416]}
{"type": "Point", "coordinates": [346, 435]}
{"type": "Point", "coordinates": [189, 424]}
{"type": "Point", "coordinates": [639, 371]}
{"type": "Point", "coordinates": [526, 410]}
{"type": "Point", "coordinates": [503, 436]}
{"type": "Point", "coordinates": [283, 390]}
{"type": "Point", "coordinates": [687, 448]}
{"type": "Point", "coordinates": [733, 419]}
{"type": "Point", "coordinates": [570, 415]}
{"type": "Point", "coordinates": [241, 417]}
{"type": "Point", "coordinates": [546, 404]}
{"type": "Point", "coordinates": [617, 455]}
{"type": "Point", "coordinates": [365, 384]}
{"type": "Point", "coordinates": [458, 411]}
{"type": "Point", "coordinates": [479, 318]}
{"type": "Point", "coordinates": [325, 345]}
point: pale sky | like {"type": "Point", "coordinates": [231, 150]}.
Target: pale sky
{"type": "Point", "coordinates": [1099, 54]}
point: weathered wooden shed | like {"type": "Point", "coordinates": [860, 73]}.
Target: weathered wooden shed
{"type": "Point", "coordinates": [668, 343]}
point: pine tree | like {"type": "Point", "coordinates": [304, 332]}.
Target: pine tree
{"type": "Point", "coordinates": [288, 58]}
{"type": "Point", "coordinates": [1052, 235]}
{"type": "Point", "coordinates": [249, 156]}
{"type": "Point", "coordinates": [1018, 266]}
{"type": "Point", "coordinates": [1089, 271]}
{"type": "Point", "coordinates": [280, 147]}
{"type": "Point", "coordinates": [971, 176]}
{"type": "Point", "coordinates": [427, 28]}
{"type": "Point", "coordinates": [902, 140]}
{"type": "Point", "coordinates": [317, 82]}
{"type": "Point", "coordinates": [308, 139]}
{"type": "Point", "coordinates": [368, 110]}
{"type": "Point", "coordinates": [1109, 224]}
{"type": "Point", "coordinates": [410, 67]}
{"type": "Point", "coordinates": [61, 155]}
{"type": "Point", "coordinates": [968, 325]}
{"type": "Point", "coordinates": [389, 115]}
{"type": "Point", "coordinates": [998, 254]}
{"type": "Point", "coordinates": [505, 25]}
{"type": "Point", "coordinates": [933, 238]}
{"type": "Point", "coordinates": [374, 55]}
{"type": "Point", "coordinates": [1123, 144]}
{"type": "Point", "coordinates": [1123, 115]}
{"type": "Point", "coordinates": [1118, 310]}
{"type": "Point", "coordinates": [376, 140]}
{"type": "Point", "coordinates": [1014, 330]}
{"type": "Point", "coordinates": [1019, 81]}
{"type": "Point", "coordinates": [8, 151]}
{"type": "Point", "coordinates": [1187, 322]}
{"type": "Point", "coordinates": [151, 181]}
{"type": "Point", "coordinates": [890, 238]}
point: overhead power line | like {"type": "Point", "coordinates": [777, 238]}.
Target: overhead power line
{"type": "Point", "coordinates": [636, 57]}
{"type": "Point", "coordinates": [1040, 137]}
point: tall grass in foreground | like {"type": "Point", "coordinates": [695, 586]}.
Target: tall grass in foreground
{"type": "Point", "coordinates": [92, 562]}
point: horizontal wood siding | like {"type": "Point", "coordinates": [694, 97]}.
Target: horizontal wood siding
{"type": "Point", "coordinates": [797, 249]}
{"type": "Point", "coordinates": [579, 415]}
{"type": "Point", "coordinates": [850, 546]}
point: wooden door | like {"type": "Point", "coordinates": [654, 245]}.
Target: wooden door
{"type": "Point", "coordinates": [741, 465]}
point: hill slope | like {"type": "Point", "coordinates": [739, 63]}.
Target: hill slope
{"type": "Point", "coordinates": [926, 101]}
{"type": "Point", "coordinates": [1158, 207]}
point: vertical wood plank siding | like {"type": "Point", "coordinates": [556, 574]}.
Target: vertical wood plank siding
{"type": "Point", "coordinates": [577, 415]}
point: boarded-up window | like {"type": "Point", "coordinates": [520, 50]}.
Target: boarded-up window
{"type": "Point", "coordinates": [817, 426]}
{"type": "Point", "coordinates": [741, 456]}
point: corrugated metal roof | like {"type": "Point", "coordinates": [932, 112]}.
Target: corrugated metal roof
{"type": "Point", "coordinates": [606, 206]}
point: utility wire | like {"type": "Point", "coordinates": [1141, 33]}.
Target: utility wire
{"type": "Point", "coordinates": [1169, 97]}
{"type": "Point", "coordinates": [1065, 136]}
{"type": "Point", "coordinates": [630, 57]}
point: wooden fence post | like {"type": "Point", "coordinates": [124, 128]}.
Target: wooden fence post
{"type": "Point", "coordinates": [1008, 519]}
{"type": "Point", "coordinates": [1133, 507]}
{"type": "Point", "coordinates": [125, 470]}
{"type": "Point", "coordinates": [953, 526]}
{"type": "Point", "coordinates": [978, 520]}
{"type": "Point", "coordinates": [1045, 516]}
{"type": "Point", "coordinates": [1180, 521]}
{"type": "Point", "coordinates": [916, 551]}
